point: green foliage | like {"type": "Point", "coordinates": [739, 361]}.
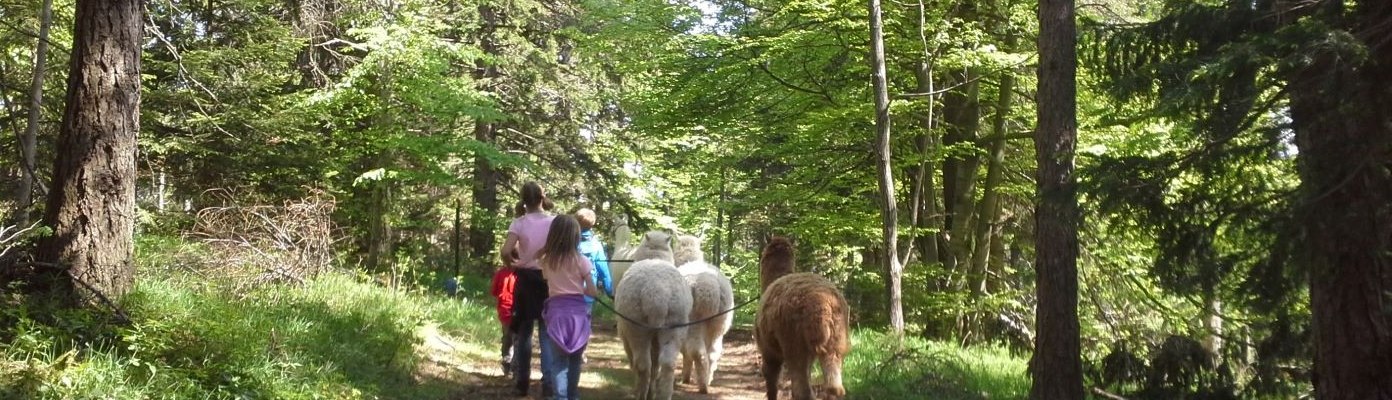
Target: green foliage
{"type": "Point", "coordinates": [1204, 177]}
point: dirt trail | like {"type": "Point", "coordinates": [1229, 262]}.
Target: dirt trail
{"type": "Point", "coordinates": [605, 376]}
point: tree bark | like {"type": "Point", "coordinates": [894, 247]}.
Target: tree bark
{"type": "Point", "coordinates": [719, 248]}
{"type": "Point", "coordinates": [962, 113]}
{"type": "Point", "coordinates": [483, 220]}
{"type": "Point", "coordinates": [380, 239]}
{"type": "Point", "coordinates": [91, 206]}
{"type": "Point", "coordinates": [889, 212]}
{"type": "Point", "coordinates": [930, 217]}
{"type": "Point", "coordinates": [1056, 368]}
{"type": "Point", "coordinates": [988, 213]}
{"type": "Point", "coordinates": [25, 191]}
{"type": "Point", "coordinates": [1344, 134]}
{"type": "Point", "coordinates": [379, 235]}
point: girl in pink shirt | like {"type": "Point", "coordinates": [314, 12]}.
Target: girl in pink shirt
{"type": "Point", "coordinates": [566, 313]}
{"type": "Point", "coordinates": [527, 235]}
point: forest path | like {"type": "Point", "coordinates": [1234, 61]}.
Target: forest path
{"type": "Point", "coordinates": [605, 376]}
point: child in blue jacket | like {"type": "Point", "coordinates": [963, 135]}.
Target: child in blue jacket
{"type": "Point", "coordinates": [593, 249]}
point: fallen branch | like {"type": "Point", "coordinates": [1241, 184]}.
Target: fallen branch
{"type": "Point", "coordinates": [1098, 391]}
{"type": "Point", "coordinates": [7, 243]}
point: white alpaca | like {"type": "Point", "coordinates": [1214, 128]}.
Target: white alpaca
{"type": "Point", "coordinates": [655, 295]}
{"type": "Point", "coordinates": [687, 249]}
{"type": "Point", "coordinates": [710, 294]}
{"type": "Point", "coordinates": [656, 245]}
{"type": "Point", "coordinates": [622, 256]}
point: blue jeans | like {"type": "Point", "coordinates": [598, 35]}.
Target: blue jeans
{"type": "Point", "coordinates": [522, 355]}
{"type": "Point", "coordinates": [565, 371]}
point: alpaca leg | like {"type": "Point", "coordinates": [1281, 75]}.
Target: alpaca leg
{"type": "Point", "coordinates": [686, 366]}
{"type": "Point", "coordinates": [831, 372]}
{"type": "Point", "coordinates": [702, 366]}
{"type": "Point", "coordinates": [800, 370]}
{"type": "Point", "coordinates": [666, 361]}
{"type": "Point", "coordinates": [716, 349]}
{"type": "Point", "coordinates": [641, 360]}
{"type": "Point", "coordinates": [655, 375]}
{"type": "Point", "coordinates": [772, 367]}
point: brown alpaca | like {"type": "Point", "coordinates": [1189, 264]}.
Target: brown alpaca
{"type": "Point", "coordinates": [802, 318]}
{"type": "Point", "coordinates": [776, 261]}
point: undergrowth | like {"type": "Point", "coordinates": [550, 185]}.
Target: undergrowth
{"type": "Point", "coordinates": [191, 336]}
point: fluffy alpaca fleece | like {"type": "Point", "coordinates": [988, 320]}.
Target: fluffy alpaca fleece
{"type": "Point", "coordinates": [802, 319]}
{"type": "Point", "coordinates": [687, 249]}
{"type": "Point", "coordinates": [655, 295]}
{"type": "Point", "coordinates": [710, 294]}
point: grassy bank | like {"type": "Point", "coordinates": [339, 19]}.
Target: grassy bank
{"type": "Point", "coordinates": [336, 337]}
{"type": "Point", "coordinates": [879, 368]}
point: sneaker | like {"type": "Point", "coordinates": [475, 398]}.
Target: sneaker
{"type": "Point", "coordinates": [507, 366]}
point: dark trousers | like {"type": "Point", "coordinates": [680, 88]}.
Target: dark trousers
{"type": "Point", "coordinates": [507, 343]}
{"type": "Point", "coordinates": [528, 297]}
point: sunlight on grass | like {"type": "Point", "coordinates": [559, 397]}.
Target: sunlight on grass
{"type": "Point", "coordinates": [878, 368]}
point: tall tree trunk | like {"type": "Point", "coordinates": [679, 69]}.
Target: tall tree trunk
{"type": "Point", "coordinates": [929, 216]}
{"type": "Point", "coordinates": [455, 244]}
{"type": "Point", "coordinates": [889, 212]}
{"type": "Point", "coordinates": [988, 212]}
{"type": "Point", "coordinates": [379, 235]}
{"type": "Point", "coordinates": [1213, 328]}
{"type": "Point", "coordinates": [483, 219]}
{"type": "Point", "coordinates": [25, 191]}
{"type": "Point", "coordinates": [1344, 133]}
{"type": "Point", "coordinates": [486, 206]}
{"type": "Point", "coordinates": [962, 113]}
{"type": "Point", "coordinates": [998, 257]}
{"type": "Point", "coordinates": [91, 206]}
{"type": "Point", "coordinates": [1056, 368]}
{"type": "Point", "coordinates": [719, 247]}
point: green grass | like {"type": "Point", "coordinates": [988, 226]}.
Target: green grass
{"type": "Point", "coordinates": [879, 368]}
{"type": "Point", "coordinates": [192, 337]}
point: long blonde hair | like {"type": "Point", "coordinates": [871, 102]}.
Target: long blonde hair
{"type": "Point", "coordinates": [562, 243]}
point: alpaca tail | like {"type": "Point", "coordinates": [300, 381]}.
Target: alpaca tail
{"type": "Point", "coordinates": [830, 337]}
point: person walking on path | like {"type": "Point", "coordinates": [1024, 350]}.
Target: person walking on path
{"type": "Point", "coordinates": [527, 235]}
{"type": "Point", "coordinates": [566, 312]}
{"type": "Point", "coordinates": [593, 249]}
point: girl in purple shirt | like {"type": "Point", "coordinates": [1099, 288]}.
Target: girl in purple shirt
{"type": "Point", "coordinates": [566, 313]}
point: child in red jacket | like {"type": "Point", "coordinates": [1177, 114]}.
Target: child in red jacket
{"type": "Point", "coordinates": [503, 282]}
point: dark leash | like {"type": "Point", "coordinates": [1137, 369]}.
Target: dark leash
{"type": "Point", "coordinates": [645, 326]}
